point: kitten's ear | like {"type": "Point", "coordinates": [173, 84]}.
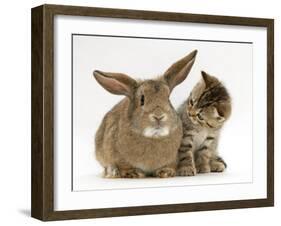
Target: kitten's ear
{"type": "Point", "coordinates": [208, 79]}
{"type": "Point", "coordinates": [220, 119]}
{"type": "Point", "coordinates": [178, 72]}
{"type": "Point", "coordinates": [116, 83]}
{"type": "Point", "coordinates": [219, 115]}
{"type": "Point", "coordinates": [223, 111]}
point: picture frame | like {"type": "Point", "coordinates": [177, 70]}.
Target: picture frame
{"type": "Point", "coordinates": [43, 110]}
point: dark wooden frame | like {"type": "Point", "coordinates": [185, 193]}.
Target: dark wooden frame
{"type": "Point", "coordinates": [42, 203]}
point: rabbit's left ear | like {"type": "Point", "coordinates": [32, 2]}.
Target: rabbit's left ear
{"type": "Point", "coordinates": [116, 83]}
{"type": "Point", "coordinates": [178, 72]}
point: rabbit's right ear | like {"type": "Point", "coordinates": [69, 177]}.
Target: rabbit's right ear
{"type": "Point", "coordinates": [178, 72]}
{"type": "Point", "coordinates": [116, 83]}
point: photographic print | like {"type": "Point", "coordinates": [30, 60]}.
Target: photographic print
{"type": "Point", "coordinates": [167, 116]}
{"type": "Point", "coordinates": [140, 112]}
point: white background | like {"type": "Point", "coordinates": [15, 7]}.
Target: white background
{"type": "Point", "coordinates": [235, 70]}
{"type": "Point", "coordinates": [147, 58]}
{"type": "Point", "coordinates": [15, 112]}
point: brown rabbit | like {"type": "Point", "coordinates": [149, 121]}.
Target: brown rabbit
{"type": "Point", "coordinates": [140, 136]}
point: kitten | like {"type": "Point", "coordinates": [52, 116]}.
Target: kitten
{"type": "Point", "coordinates": [203, 115]}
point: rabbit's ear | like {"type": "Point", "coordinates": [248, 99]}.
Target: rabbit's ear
{"type": "Point", "coordinates": [178, 72]}
{"type": "Point", "coordinates": [116, 83]}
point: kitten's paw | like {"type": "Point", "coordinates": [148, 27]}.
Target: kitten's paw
{"type": "Point", "coordinates": [186, 171]}
{"type": "Point", "coordinates": [217, 167]}
{"type": "Point", "coordinates": [203, 169]}
{"type": "Point", "coordinates": [165, 172]}
{"type": "Point", "coordinates": [111, 172]}
{"type": "Point", "coordinates": [132, 173]}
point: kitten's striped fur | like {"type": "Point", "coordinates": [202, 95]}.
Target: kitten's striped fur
{"type": "Point", "coordinates": [203, 115]}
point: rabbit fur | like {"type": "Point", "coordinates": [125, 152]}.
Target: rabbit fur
{"type": "Point", "coordinates": [140, 136]}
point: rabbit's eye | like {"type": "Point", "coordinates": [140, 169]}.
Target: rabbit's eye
{"type": "Point", "coordinates": [191, 102]}
{"type": "Point", "coordinates": [142, 100]}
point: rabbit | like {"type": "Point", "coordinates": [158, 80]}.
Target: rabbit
{"type": "Point", "coordinates": [140, 136]}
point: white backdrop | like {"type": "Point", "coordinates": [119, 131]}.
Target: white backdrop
{"type": "Point", "coordinates": [15, 99]}
{"type": "Point", "coordinates": [147, 58]}
{"type": "Point", "coordinates": [233, 186]}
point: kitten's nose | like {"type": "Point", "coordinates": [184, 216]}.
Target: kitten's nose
{"type": "Point", "coordinates": [192, 113]}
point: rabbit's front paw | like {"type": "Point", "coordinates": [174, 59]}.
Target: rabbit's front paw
{"type": "Point", "coordinates": [204, 168]}
{"type": "Point", "coordinates": [132, 173]}
{"type": "Point", "coordinates": [165, 172]}
{"type": "Point", "coordinates": [111, 172]}
{"type": "Point", "coordinates": [186, 171]}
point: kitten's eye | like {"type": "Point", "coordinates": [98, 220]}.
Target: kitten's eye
{"type": "Point", "coordinates": [199, 117]}
{"type": "Point", "coordinates": [142, 100]}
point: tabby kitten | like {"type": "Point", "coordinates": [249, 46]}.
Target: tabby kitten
{"type": "Point", "coordinates": [203, 115]}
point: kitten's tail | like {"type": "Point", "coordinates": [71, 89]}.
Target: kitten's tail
{"type": "Point", "coordinates": [219, 159]}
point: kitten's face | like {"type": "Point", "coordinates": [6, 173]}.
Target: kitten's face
{"type": "Point", "coordinates": [208, 104]}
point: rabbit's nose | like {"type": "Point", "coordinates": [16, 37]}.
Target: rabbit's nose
{"type": "Point", "coordinates": [158, 118]}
